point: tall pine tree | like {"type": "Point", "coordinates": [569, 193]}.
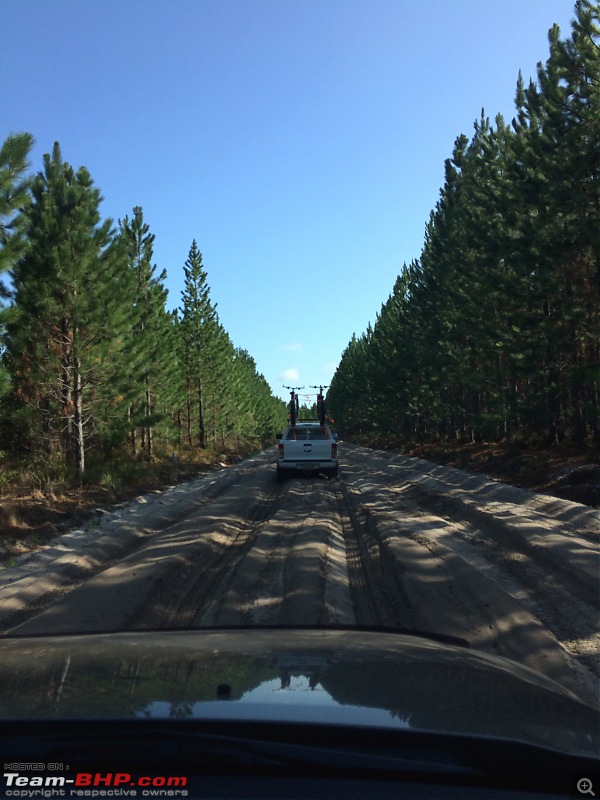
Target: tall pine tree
{"type": "Point", "coordinates": [199, 330]}
{"type": "Point", "coordinates": [151, 337]}
{"type": "Point", "coordinates": [14, 196]}
{"type": "Point", "coordinates": [67, 324]}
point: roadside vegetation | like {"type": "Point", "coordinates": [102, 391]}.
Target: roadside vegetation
{"type": "Point", "coordinates": [103, 389]}
{"type": "Point", "coordinates": [487, 346]}
{"type": "Point", "coordinates": [492, 336]}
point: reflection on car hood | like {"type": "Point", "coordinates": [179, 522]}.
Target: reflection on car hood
{"type": "Point", "coordinates": [357, 678]}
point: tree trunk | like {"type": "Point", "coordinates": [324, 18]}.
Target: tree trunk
{"type": "Point", "coordinates": [133, 439]}
{"type": "Point", "coordinates": [78, 419]}
{"type": "Point", "coordinates": [189, 419]}
{"type": "Point", "coordinates": [201, 431]}
{"type": "Point", "coordinates": [150, 432]}
{"type": "Point", "coordinates": [66, 391]}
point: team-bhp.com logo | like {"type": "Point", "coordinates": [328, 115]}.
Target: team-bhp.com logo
{"type": "Point", "coordinates": [94, 784]}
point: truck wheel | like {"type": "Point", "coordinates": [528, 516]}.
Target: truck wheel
{"type": "Point", "coordinates": [281, 474]}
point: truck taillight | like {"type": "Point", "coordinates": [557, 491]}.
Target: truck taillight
{"type": "Point", "coordinates": [280, 451]}
{"type": "Point", "coordinates": [334, 450]}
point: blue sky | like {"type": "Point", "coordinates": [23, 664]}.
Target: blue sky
{"type": "Point", "coordinates": [300, 142]}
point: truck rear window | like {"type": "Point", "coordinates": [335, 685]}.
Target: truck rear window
{"type": "Point", "coordinates": [313, 434]}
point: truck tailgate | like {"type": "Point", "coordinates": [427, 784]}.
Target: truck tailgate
{"type": "Point", "coordinates": [308, 451]}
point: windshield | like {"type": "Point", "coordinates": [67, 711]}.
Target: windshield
{"type": "Point", "coordinates": [299, 330]}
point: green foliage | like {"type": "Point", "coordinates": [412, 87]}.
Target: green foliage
{"type": "Point", "coordinates": [495, 331]}
{"type": "Point", "coordinates": [228, 403]}
{"type": "Point", "coordinates": [14, 196]}
{"type": "Point", "coordinates": [150, 367]}
{"type": "Point", "coordinates": [257, 414]}
{"type": "Point", "coordinates": [202, 343]}
{"type": "Point", "coordinates": [65, 330]}
{"type": "Point", "coordinates": [8, 473]}
{"type": "Point", "coordinates": [98, 379]}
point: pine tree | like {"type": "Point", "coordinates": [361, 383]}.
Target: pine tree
{"type": "Point", "coordinates": [221, 385]}
{"type": "Point", "coordinates": [256, 414]}
{"type": "Point", "coordinates": [556, 175]}
{"type": "Point", "coordinates": [349, 398]}
{"type": "Point", "coordinates": [151, 339]}
{"type": "Point", "coordinates": [14, 196]}
{"type": "Point", "coordinates": [570, 84]}
{"type": "Point", "coordinates": [496, 330]}
{"type": "Point", "coordinates": [66, 328]}
{"type": "Point", "coordinates": [199, 331]}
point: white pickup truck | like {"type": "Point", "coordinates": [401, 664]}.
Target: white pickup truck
{"type": "Point", "coordinates": [307, 447]}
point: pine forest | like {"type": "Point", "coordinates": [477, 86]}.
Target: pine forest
{"type": "Point", "coordinates": [94, 369]}
{"type": "Point", "coordinates": [493, 334]}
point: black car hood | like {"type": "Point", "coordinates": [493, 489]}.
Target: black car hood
{"type": "Point", "coordinates": [346, 677]}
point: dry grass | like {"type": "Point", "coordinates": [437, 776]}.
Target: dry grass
{"type": "Point", "coordinates": [30, 517]}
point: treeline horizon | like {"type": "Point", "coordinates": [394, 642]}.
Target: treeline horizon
{"type": "Point", "coordinates": [493, 334]}
{"type": "Point", "coordinates": [93, 366]}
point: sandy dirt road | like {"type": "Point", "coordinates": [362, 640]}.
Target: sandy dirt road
{"type": "Point", "coordinates": [393, 542]}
